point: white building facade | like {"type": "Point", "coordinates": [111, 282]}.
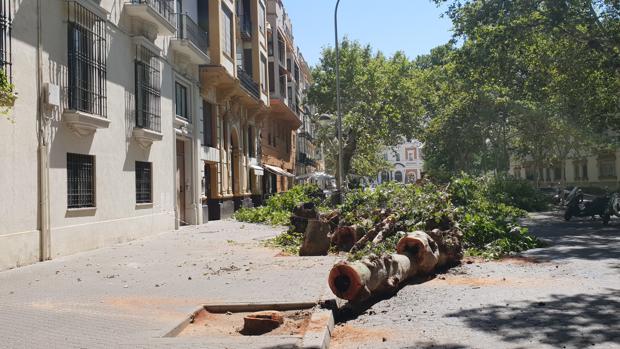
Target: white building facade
{"type": "Point", "coordinates": [124, 125]}
{"type": "Point", "coordinates": [407, 163]}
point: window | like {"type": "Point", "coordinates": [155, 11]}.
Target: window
{"type": "Point", "coordinates": [87, 61]}
{"type": "Point", "coordinates": [557, 173]}
{"type": "Point", "coordinates": [584, 170]}
{"type": "Point", "coordinates": [261, 18]}
{"type": "Point", "coordinates": [207, 124]}
{"type": "Point", "coordinates": [247, 61]}
{"type": "Point", "coordinates": [181, 101]}
{"type": "Point", "coordinates": [398, 176]}
{"type": "Point", "coordinates": [80, 181]}
{"type": "Point", "coordinates": [410, 154]}
{"type": "Point", "coordinates": [576, 170]}
{"type": "Point", "coordinates": [251, 142]}
{"type": "Point", "coordinates": [5, 37]}
{"type": "Point", "coordinates": [148, 91]}
{"type": "Point", "coordinates": [227, 31]}
{"type": "Point", "coordinates": [270, 46]}
{"type": "Point", "coordinates": [272, 81]}
{"type": "Point", "coordinates": [144, 183]}
{"type": "Point", "coordinates": [263, 72]}
{"type": "Point", "coordinates": [397, 156]}
{"type": "Point", "coordinates": [203, 15]}
{"type": "Point", "coordinates": [607, 167]}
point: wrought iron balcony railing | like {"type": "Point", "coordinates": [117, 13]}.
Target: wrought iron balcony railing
{"type": "Point", "coordinates": [248, 83]}
{"type": "Point", "coordinates": [189, 30]}
{"type": "Point", "coordinates": [165, 8]}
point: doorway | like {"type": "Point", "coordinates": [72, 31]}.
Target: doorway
{"type": "Point", "coordinates": [180, 179]}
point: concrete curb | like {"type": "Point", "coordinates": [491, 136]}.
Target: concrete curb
{"type": "Point", "coordinates": [319, 332]}
{"type": "Point", "coordinates": [258, 306]}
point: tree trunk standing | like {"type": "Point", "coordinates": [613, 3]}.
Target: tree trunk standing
{"type": "Point", "coordinates": [348, 150]}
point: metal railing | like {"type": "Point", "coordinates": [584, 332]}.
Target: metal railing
{"type": "Point", "coordinates": [188, 30]}
{"type": "Point", "coordinates": [165, 8]}
{"type": "Point", "coordinates": [5, 37]}
{"type": "Point", "coordinates": [248, 83]}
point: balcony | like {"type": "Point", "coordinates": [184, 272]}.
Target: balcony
{"type": "Point", "coordinates": [248, 83]}
{"type": "Point", "coordinates": [158, 13]}
{"type": "Point", "coordinates": [191, 40]}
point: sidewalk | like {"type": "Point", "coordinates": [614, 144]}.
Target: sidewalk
{"type": "Point", "coordinates": [129, 296]}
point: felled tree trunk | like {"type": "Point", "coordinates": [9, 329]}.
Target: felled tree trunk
{"type": "Point", "coordinates": [316, 239]}
{"type": "Point", "coordinates": [417, 254]}
{"type": "Point", "coordinates": [357, 281]}
{"type": "Point", "coordinates": [450, 245]}
{"type": "Point", "coordinates": [345, 237]}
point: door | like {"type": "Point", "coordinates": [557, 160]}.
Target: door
{"type": "Point", "coordinates": [181, 181]}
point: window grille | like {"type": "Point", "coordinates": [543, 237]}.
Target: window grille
{"type": "Point", "coordinates": [148, 90]}
{"type": "Point", "coordinates": [5, 37]}
{"type": "Point", "coordinates": [80, 181]}
{"type": "Point", "coordinates": [87, 61]}
{"type": "Point", "coordinates": [144, 182]}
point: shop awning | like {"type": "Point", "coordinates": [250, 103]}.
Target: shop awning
{"type": "Point", "coordinates": [259, 171]}
{"type": "Point", "coordinates": [278, 171]}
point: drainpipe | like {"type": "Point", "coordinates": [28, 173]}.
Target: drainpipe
{"type": "Point", "coordinates": [44, 202]}
{"type": "Point", "coordinates": [196, 178]}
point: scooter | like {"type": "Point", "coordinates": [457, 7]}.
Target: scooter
{"type": "Point", "coordinates": [577, 207]}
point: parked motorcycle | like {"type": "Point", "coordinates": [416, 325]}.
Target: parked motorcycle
{"type": "Point", "coordinates": [614, 203]}
{"type": "Point", "coordinates": [576, 206]}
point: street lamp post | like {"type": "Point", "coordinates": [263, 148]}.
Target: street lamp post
{"type": "Point", "coordinates": [338, 106]}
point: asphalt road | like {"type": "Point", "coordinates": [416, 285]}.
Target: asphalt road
{"type": "Point", "coordinates": [566, 295]}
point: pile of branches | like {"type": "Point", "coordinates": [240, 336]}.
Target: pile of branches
{"type": "Point", "coordinates": [371, 222]}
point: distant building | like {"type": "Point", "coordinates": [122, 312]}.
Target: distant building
{"type": "Point", "coordinates": [593, 170]}
{"type": "Point", "coordinates": [407, 163]}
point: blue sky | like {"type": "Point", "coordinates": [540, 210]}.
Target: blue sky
{"type": "Point", "coordinates": [413, 26]}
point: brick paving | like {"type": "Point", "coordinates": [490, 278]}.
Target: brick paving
{"type": "Point", "coordinates": [129, 296]}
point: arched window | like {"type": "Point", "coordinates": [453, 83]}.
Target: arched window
{"type": "Point", "coordinates": [398, 176]}
{"type": "Point", "coordinates": [385, 177]}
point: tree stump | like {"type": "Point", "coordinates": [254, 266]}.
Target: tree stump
{"type": "Point", "coordinates": [316, 239]}
{"type": "Point", "coordinates": [301, 215]}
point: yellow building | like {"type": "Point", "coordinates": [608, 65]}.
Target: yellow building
{"type": "Point", "coordinates": [235, 89]}
{"type": "Point", "coordinates": [278, 132]}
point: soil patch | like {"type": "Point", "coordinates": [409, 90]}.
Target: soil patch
{"type": "Point", "coordinates": [347, 334]}
{"type": "Point", "coordinates": [207, 324]}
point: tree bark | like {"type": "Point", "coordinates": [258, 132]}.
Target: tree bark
{"type": "Point", "coordinates": [418, 253]}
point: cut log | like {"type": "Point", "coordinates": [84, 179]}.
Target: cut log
{"type": "Point", "coordinates": [345, 237]}
{"type": "Point", "coordinates": [316, 239]}
{"type": "Point", "coordinates": [422, 248]}
{"type": "Point", "coordinates": [357, 281]}
{"type": "Point", "coordinates": [450, 245]}
{"type": "Point", "coordinates": [417, 254]}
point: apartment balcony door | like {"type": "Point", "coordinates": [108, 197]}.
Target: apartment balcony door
{"type": "Point", "coordinates": [180, 180]}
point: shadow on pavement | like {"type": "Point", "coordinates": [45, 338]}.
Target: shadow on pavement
{"type": "Point", "coordinates": [435, 346]}
{"type": "Point", "coordinates": [574, 321]}
{"type": "Point", "coordinates": [580, 238]}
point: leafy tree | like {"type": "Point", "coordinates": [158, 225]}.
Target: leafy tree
{"type": "Point", "coordinates": [537, 78]}
{"type": "Point", "coordinates": [379, 107]}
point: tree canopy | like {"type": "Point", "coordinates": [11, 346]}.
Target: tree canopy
{"type": "Point", "coordinates": [520, 78]}
{"type": "Point", "coordinates": [379, 107]}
